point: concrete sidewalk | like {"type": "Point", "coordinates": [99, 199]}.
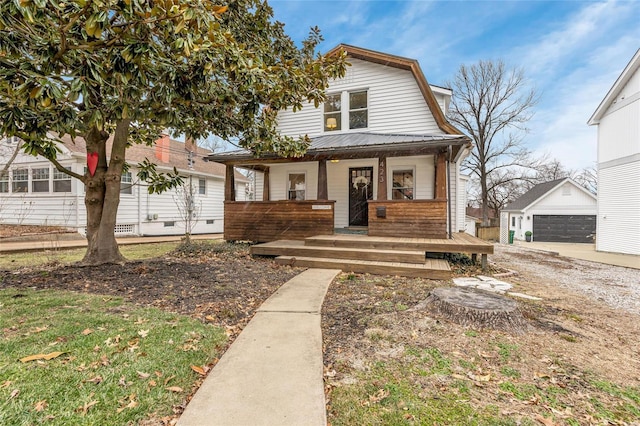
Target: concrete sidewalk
{"type": "Point", "coordinates": [55, 242]}
{"type": "Point", "coordinates": [584, 252]}
{"type": "Point", "coordinates": [273, 372]}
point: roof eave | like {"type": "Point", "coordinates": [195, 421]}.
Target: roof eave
{"type": "Point", "coordinates": [623, 78]}
{"type": "Point", "coordinates": [406, 64]}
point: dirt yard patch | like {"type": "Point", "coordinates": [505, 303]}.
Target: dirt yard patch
{"type": "Point", "coordinates": [578, 364]}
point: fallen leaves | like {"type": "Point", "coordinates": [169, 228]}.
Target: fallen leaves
{"type": "Point", "coordinates": [128, 403]}
{"type": "Point", "coordinates": [46, 357]}
{"type": "Point", "coordinates": [200, 370]}
{"type": "Point", "coordinates": [176, 389]}
{"type": "Point", "coordinates": [85, 407]}
{"type": "Point", "coordinates": [41, 405]}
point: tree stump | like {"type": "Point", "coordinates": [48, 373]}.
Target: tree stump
{"type": "Point", "coordinates": [477, 308]}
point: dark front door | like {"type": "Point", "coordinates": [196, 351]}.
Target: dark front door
{"type": "Point", "coordinates": [360, 191]}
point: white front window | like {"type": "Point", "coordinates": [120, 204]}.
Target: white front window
{"type": "Point", "coordinates": [297, 186]}
{"type": "Point", "coordinates": [40, 180]}
{"type": "Point", "coordinates": [61, 181]}
{"type": "Point", "coordinates": [20, 180]}
{"type": "Point", "coordinates": [126, 183]}
{"type": "Point", "coordinates": [402, 184]}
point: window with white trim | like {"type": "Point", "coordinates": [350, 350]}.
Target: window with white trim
{"type": "Point", "coordinates": [4, 183]}
{"type": "Point", "coordinates": [202, 186]}
{"type": "Point", "coordinates": [40, 180]}
{"type": "Point", "coordinates": [354, 104]}
{"type": "Point", "coordinates": [297, 186]}
{"type": "Point", "coordinates": [126, 183]}
{"type": "Point", "coordinates": [358, 110]}
{"type": "Point", "coordinates": [402, 184]}
{"type": "Point", "coordinates": [332, 112]}
{"type": "Point", "coordinates": [61, 181]}
{"type": "Point", "coordinates": [20, 180]}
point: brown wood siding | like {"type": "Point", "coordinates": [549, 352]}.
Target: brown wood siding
{"type": "Point", "coordinates": [411, 218]}
{"type": "Point", "coordinates": [264, 221]}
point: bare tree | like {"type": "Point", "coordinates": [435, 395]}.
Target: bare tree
{"type": "Point", "coordinates": [492, 104]}
{"type": "Point", "coordinates": [8, 154]}
{"type": "Point", "coordinates": [189, 207]}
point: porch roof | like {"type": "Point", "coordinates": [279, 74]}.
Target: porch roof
{"type": "Point", "coordinates": [355, 145]}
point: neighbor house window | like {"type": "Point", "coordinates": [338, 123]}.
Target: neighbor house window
{"type": "Point", "coordinates": [358, 110]}
{"type": "Point", "coordinates": [4, 183]}
{"type": "Point", "coordinates": [402, 185]}
{"type": "Point", "coordinates": [40, 180]}
{"type": "Point", "coordinates": [20, 180]}
{"type": "Point", "coordinates": [126, 183]}
{"type": "Point", "coordinates": [297, 186]}
{"type": "Point", "coordinates": [61, 181]}
{"type": "Point", "coordinates": [332, 114]}
{"type": "Point", "coordinates": [513, 221]}
{"type": "Point", "coordinates": [202, 186]}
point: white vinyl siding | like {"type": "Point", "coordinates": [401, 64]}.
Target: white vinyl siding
{"type": "Point", "coordinates": [619, 133]}
{"type": "Point", "coordinates": [279, 179]}
{"type": "Point", "coordinates": [395, 103]}
{"type": "Point", "coordinates": [618, 222]}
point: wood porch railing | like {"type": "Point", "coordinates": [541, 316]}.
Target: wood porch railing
{"type": "Point", "coordinates": [264, 221]}
{"type": "Point", "coordinates": [408, 218]}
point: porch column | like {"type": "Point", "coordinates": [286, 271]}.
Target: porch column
{"type": "Point", "coordinates": [265, 185]}
{"type": "Point", "coordinates": [382, 178]}
{"type": "Point", "coordinates": [441, 177]}
{"type": "Point", "coordinates": [230, 184]}
{"type": "Point", "coordinates": [323, 192]}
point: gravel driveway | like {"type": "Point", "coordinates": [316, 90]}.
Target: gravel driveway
{"type": "Point", "coordinates": [616, 286]}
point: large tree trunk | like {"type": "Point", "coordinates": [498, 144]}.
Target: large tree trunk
{"type": "Point", "coordinates": [102, 195]}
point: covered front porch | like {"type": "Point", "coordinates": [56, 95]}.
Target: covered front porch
{"type": "Point", "coordinates": [389, 185]}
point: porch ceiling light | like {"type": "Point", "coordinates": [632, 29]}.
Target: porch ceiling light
{"type": "Point", "coordinates": [331, 123]}
{"type": "Point", "coordinates": [334, 160]}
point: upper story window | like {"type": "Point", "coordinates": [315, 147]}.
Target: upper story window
{"type": "Point", "coordinates": [61, 181]}
{"type": "Point", "coordinates": [202, 186]}
{"type": "Point", "coordinates": [332, 113]}
{"type": "Point", "coordinates": [126, 183]}
{"type": "Point", "coordinates": [20, 180]}
{"type": "Point", "coordinates": [355, 107]}
{"type": "Point", "coordinates": [40, 180]}
{"type": "Point", "coordinates": [296, 186]}
{"type": "Point", "coordinates": [358, 110]}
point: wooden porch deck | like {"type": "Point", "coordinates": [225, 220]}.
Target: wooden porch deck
{"type": "Point", "coordinates": [376, 255]}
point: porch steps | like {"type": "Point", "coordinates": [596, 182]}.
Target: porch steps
{"type": "Point", "coordinates": [301, 249]}
{"type": "Point", "coordinates": [430, 268]}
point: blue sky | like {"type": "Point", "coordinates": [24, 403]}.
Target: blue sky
{"type": "Point", "coordinates": [571, 51]}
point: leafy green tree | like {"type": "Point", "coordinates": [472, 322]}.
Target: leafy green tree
{"type": "Point", "coordinates": [118, 72]}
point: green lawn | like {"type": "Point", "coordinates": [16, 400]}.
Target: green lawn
{"type": "Point", "coordinates": [118, 364]}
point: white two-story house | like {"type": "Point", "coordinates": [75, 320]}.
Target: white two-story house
{"type": "Point", "coordinates": [383, 159]}
{"type": "Point", "coordinates": [618, 121]}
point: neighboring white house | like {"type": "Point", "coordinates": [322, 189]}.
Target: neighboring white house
{"type": "Point", "coordinates": [382, 154]}
{"type": "Point", "coordinates": [618, 121]}
{"type": "Point", "coordinates": [35, 193]}
{"type": "Point", "coordinates": [557, 211]}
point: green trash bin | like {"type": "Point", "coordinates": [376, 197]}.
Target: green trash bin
{"type": "Point", "coordinates": [511, 235]}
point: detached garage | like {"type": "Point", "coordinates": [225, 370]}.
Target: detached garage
{"type": "Point", "coordinates": [556, 211]}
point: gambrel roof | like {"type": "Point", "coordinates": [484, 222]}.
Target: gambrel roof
{"type": "Point", "coordinates": [632, 67]}
{"type": "Point", "coordinates": [403, 64]}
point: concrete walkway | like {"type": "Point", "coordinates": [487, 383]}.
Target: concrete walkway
{"type": "Point", "coordinates": [273, 372]}
{"type": "Point", "coordinates": [61, 241]}
{"type": "Point", "coordinates": [585, 252]}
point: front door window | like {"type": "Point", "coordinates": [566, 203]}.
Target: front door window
{"type": "Point", "coordinates": [360, 191]}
